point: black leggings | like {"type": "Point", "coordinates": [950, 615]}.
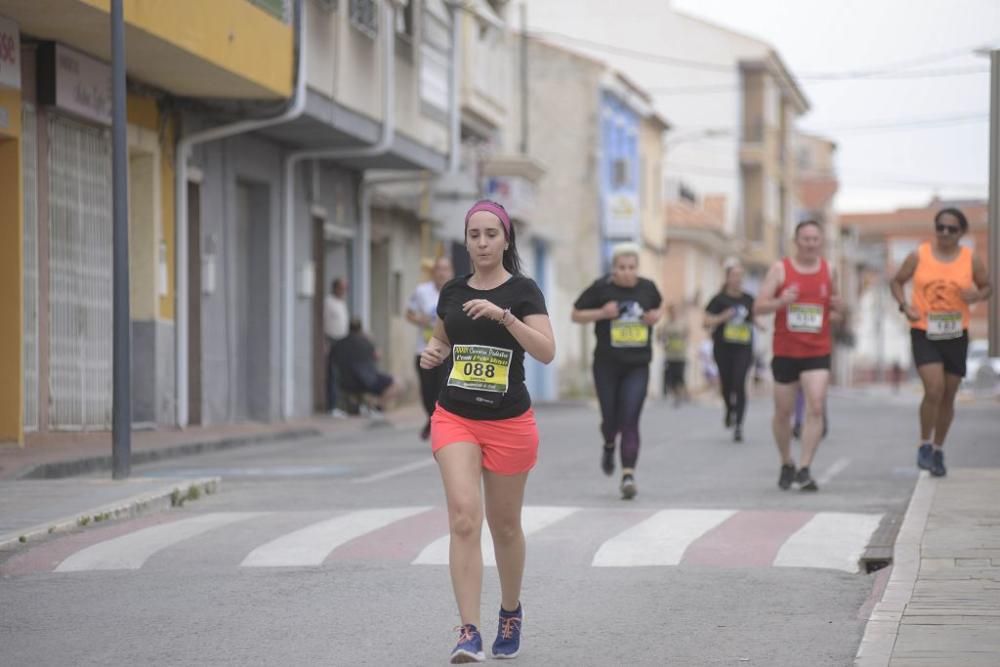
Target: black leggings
{"type": "Point", "coordinates": [734, 362]}
{"type": "Point", "coordinates": [430, 384]}
{"type": "Point", "coordinates": [621, 391]}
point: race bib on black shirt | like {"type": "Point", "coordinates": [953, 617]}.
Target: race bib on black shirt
{"type": "Point", "coordinates": [487, 375]}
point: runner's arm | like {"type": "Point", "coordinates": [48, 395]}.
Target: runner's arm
{"type": "Point", "coordinates": [838, 309]}
{"type": "Point", "coordinates": [766, 302]}
{"type": "Point", "coordinates": [608, 311]}
{"type": "Point", "coordinates": [420, 319]}
{"type": "Point", "coordinates": [437, 349]}
{"type": "Point", "coordinates": [980, 276]}
{"type": "Point", "coordinates": [534, 333]}
{"type": "Point", "coordinates": [902, 277]}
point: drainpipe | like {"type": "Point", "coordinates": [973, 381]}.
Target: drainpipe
{"type": "Point", "coordinates": [362, 277]}
{"type": "Point", "coordinates": [185, 145]}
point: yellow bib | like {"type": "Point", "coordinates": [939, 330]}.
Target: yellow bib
{"type": "Point", "coordinates": [480, 368]}
{"type": "Point", "coordinates": [629, 334]}
{"type": "Point", "coordinates": [736, 333]}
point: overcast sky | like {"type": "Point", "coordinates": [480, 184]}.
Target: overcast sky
{"type": "Point", "coordinates": [945, 148]}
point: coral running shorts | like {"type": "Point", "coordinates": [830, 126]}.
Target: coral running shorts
{"type": "Point", "coordinates": [510, 446]}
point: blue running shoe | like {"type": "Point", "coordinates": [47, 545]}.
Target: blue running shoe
{"type": "Point", "coordinates": [937, 464]}
{"type": "Point", "coordinates": [925, 456]}
{"type": "Point", "coordinates": [508, 641]}
{"type": "Point", "coordinates": [469, 647]}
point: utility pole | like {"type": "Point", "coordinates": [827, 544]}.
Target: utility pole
{"type": "Point", "coordinates": [121, 409]}
{"type": "Point", "coordinates": [994, 224]}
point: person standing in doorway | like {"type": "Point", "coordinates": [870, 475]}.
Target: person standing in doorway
{"type": "Point", "coordinates": [483, 431]}
{"type": "Point", "coordinates": [947, 278]}
{"type": "Point", "coordinates": [421, 311]}
{"type": "Point", "coordinates": [800, 290]}
{"type": "Point", "coordinates": [336, 320]}
{"type": "Point", "coordinates": [729, 316]}
{"type": "Point", "coordinates": [624, 307]}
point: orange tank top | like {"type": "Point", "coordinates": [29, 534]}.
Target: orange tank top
{"type": "Point", "coordinates": [937, 293]}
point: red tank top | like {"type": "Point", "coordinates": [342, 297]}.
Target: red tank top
{"type": "Point", "coordinates": [802, 329]}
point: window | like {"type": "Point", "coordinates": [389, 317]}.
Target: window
{"type": "Point", "coordinates": [620, 176]}
{"type": "Point", "coordinates": [364, 16]}
{"type": "Point", "coordinates": [404, 22]}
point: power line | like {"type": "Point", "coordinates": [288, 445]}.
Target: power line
{"type": "Point", "coordinates": [649, 56]}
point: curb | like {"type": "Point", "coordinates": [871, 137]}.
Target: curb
{"type": "Point", "coordinates": [158, 500]}
{"type": "Point", "coordinates": [882, 627]}
{"type": "Point", "coordinates": [83, 466]}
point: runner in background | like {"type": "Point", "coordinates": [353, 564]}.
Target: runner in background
{"type": "Point", "coordinates": [421, 311]}
{"type": "Point", "coordinates": [729, 318]}
{"type": "Point", "coordinates": [623, 307]}
{"type": "Point", "coordinates": [947, 278]}
{"type": "Point", "coordinates": [800, 290]}
{"type": "Point", "coordinates": [674, 337]}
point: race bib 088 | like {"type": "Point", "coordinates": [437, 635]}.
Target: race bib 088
{"type": "Point", "coordinates": [944, 326]}
{"type": "Point", "coordinates": [629, 334]}
{"type": "Point", "coordinates": [480, 368]}
{"type": "Point", "coordinates": [805, 317]}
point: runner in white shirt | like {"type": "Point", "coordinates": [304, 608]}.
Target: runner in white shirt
{"type": "Point", "coordinates": [336, 319]}
{"type": "Point", "coordinates": [421, 311]}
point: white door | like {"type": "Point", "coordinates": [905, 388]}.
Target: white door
{"type": "Point", "coordinates": [80, 275]}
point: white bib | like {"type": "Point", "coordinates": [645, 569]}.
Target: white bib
{"type": "Point", "coordinates": [944, 326]}
{"type": "Point", "coordinates": [805, 317]}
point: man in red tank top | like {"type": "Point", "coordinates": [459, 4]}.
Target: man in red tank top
{"type": "Point", "coordinates": [800, 290]}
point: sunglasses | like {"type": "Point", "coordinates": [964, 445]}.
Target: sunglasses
{"type": "Point", "coordinates": [946, 229]}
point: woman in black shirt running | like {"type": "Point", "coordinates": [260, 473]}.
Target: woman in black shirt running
{"type": "Point", "coordinates": [624, 308]}
{"type": "Point", "coordinates": [729, 316]}
{"type": "Point", "coordinates": [483, 431]}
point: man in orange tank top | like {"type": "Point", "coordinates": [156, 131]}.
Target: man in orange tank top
{"type": "Point", "coordinates": [800, 290]}
{"type": "Point", "coordinates": [947, 278]}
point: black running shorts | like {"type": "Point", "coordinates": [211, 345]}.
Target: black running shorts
{"type": "Point", "coordinates": [787, 369]}
{"type": "Point", "coordinates": [950, 353]}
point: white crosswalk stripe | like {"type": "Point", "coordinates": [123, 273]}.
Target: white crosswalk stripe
{"type": "Point", "coordinates": [312, 544]}
{"type": "Point", "coordinates": [659, 540]}
{"type": "Point", "coordinates": [533, 519]}
{"type": "Point", "coordinates": [131, 551]}
{"type": "Point", "coordinates": [832, 540]}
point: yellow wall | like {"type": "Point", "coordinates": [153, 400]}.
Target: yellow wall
{"type": "Point", "coordinates": [166, 306]}
{"type": "Point", "coordinates": [206, 29]}
{"type": "Point", "coordinates": [11, 272]}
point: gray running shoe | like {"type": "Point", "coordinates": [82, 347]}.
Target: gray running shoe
{"type": "Point", "coordinates": [608, 460]}
{"type": "Point", "coordinates": [786, 477]}
{"type": "Point", "coordinates": [805, 481]}
{"type": "Point", "coordinates": [628, 487]}
{"type": "Point", "coordinates": [937, 464]}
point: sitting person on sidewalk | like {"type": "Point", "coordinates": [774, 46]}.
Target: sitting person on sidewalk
{"type": "Point", "coordinates": [355, 356]}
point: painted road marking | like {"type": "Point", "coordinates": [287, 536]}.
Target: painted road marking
{"type": "Point", "coordinates": [131, 551]}
{"type": "Point", "coordinates": [661, 539]}
{"type": "Point", "coordinates": [312, 544]}
{"type": "Point", "coordinates": [399, 470]}
{"type": "Point", "coordinates": [838, 467]}
{"type": "Point", "coordinates": [750, 538]}
{"type": "Point", "coordinates": [533, 519]}
{"type": "Point", "coordinates": [832, 540]}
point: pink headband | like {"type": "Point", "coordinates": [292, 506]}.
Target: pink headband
{"type": "Point", "coordinates": [492, 207]}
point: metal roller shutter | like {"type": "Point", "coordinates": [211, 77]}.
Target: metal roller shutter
{"type": "Point", "coordinates": [29, 172]}
{"type": "Point", "coordinates": [80, 276]}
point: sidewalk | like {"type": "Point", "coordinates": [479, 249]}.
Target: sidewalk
{"type": "Point", "coordinates": [39, 494]}
{"type": "Point", "coordinates": [942, 603]}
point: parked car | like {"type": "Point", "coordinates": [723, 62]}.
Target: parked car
{"type": "Point", "coordinates": [978, 357]}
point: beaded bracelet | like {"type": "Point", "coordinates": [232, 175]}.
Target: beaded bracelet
{"type": "Point", "coordinates": [503, 318]}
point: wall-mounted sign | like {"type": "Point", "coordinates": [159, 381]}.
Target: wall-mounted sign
{"type": "Point", "coordinates": [10, 54]}
{"type": "Point", "coordinates": [621, 216]}
{"type": "Point", "coordinates": [74, 82]}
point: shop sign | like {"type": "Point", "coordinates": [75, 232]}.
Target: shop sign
{"type": "Point", "coordinates": [10, 54]}
{"type": "Point", "coordinates": [74, 82]}
{"type": "Point", "coordinates": [621, 216]}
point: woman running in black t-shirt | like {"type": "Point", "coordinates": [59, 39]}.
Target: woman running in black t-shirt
{"type": "Point", "coordinates": [729, 316]}
{"type": "Point", "coordinates": [483, 431]}
{"type": "Point", "coordinates": [624, 308]}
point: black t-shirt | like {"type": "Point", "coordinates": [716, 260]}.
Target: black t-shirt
{"type": "Point", "coordinates": [626, 339]}
{"type": "Point", "coordinates": [355, 359]}
{"type": "Point", "coordinates": [487, 364]}
{"type": "Point", "coordinates": [739, 329]}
